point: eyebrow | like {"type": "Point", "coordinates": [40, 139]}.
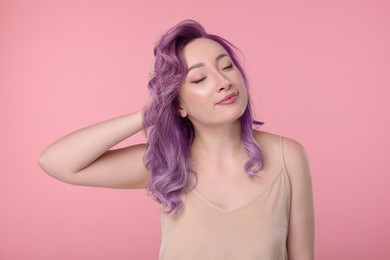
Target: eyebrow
{"type": "Point", "coordinates": [198, 65]}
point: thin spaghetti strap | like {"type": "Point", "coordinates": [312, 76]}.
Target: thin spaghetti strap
{"type": "Point", "coordinates": [282, 152]}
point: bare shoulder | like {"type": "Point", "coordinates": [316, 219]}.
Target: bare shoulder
{"type": "Point", "coordinates": [267, 138]}
{"type": "Point", "coordinates": [296, 160]}
{"type": "Point", "coordinates": [297, 166]}
{"type": "Point", "coordinates": [295, 155]}
{"type": "Point", "coordinates": [270, 148]}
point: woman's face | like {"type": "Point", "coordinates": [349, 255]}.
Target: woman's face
{"type": "Point", "coordinates": [213, 91]}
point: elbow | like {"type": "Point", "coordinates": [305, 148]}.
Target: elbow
{"type": "Point", "coordinates": [53, 170]}
{"type": "Point", "coordinates": [46, 164]}
{"type": "Point", "coordinates": [42, 162]}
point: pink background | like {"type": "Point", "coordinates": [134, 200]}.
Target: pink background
{"type": "Point", "coordinates": [319, 73]}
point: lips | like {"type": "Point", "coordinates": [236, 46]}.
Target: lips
{"type": "Point", "coordinates": [228, 97]}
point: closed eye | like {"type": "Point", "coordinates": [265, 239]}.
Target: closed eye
{"type": "Point", "coordinates": [228, 67]}
{"type": "Point", "coordinates": [198, 81]}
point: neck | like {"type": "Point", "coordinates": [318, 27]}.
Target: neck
{"type": "Point", "coordinates": [218, 143]}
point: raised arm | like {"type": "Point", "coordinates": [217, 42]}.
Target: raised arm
{"type": "Point", "coordinates": [83, 157]}
{"type": "Point", "coordinates": [300, 242]}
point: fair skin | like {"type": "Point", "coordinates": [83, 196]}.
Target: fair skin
{"type": "Point", "coordinates": [84, 157]}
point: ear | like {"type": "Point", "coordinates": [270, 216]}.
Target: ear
{"type": "Point", "coordinates": [182, 112]}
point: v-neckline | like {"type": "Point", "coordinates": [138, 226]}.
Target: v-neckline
{"type": "Point", "coordinates": [230, 211]}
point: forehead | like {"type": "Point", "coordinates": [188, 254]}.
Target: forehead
{"type": "Point", "coordinates": [201, 50]}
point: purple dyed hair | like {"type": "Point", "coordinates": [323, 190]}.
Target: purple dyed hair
{"type": "Point", "coordinates": [169, 135]}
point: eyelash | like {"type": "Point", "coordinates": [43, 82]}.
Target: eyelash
{"type": "Point", "coordinates": [228, 67]}
{"type": "Point", "coordinates": [200, 80]}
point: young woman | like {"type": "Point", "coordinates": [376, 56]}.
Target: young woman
{"type": "Point", "coordinates": [226, 190]}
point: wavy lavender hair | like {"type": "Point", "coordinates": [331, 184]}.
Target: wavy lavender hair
{"type": "Point", "coordinates": [169, 135]}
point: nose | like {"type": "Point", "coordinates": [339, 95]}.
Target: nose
{"type": "Point", "coordinates": [224, 83]}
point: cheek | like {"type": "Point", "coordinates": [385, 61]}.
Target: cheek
{"type": "Point", "coordinates": [196, 96]}
{"type": "Point", "coordinates": [244, 97]}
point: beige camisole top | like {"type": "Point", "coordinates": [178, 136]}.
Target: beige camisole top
{"type": "Point", "coordinates": [255, 231]}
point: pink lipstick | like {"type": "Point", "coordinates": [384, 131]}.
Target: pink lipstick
{"type": "Point", "coordinates": [229, 99]}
